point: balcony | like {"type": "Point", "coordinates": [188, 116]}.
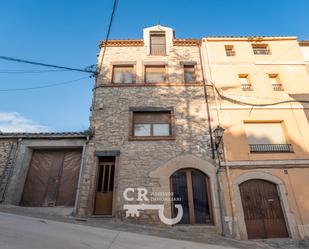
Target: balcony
{"type": "Point", "coordinates": [261, 51]}
{"type": "Point", "coordinates": [277, 87]}
{"type": "Point", "coordinates": [270, 148]}
{"type": "Point", "coordinates": [246, 87]}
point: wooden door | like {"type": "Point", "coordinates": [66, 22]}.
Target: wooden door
{"type": "Point", "coordinates": [262, 210]}
{"type": "Point", "coordinates": [52, 178]}
{"type": "Point", "coordinates": [105, 185]}
{"type": "Point", "coordinates": [191, 188]}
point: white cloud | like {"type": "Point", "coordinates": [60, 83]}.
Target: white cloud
{"type": "Point", "coordinates": [15, 122]}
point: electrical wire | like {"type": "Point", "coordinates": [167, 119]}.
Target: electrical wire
{"type": "Point", "coordinates": [240, 102]}
{"type": "Point", "coordinates": [85, 70]}
{"type": "Point", "coordinates": [31, 71]}
{"type": "Point", "coordinates": [44, 86]}
{"type": "Point", "coordinates": [108, 31]}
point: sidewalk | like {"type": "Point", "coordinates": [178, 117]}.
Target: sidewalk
{"type": "Point", "coordinates": [63, 214]}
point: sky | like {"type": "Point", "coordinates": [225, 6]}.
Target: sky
{"type": "Point", "coordinates": [68, 33]}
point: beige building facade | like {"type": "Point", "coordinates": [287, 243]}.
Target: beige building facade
{"type": "Point", "coordinates": [260, 97]}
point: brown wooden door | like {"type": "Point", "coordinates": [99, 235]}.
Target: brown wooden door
{"type": "Point", "coordinates": [262, 210]}
{"type": "Point", "coordinates": [52, 178]}
{"type": "Point", "coordinates": [191, 188]}
{"type": "Point", "coordinates": [105, 186]}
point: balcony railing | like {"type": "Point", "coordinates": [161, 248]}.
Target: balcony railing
{"type": "Point", "coordinates": [246, 87]}
{"type": "Point", "coordinates": [270, 148]}
{"type": "Point", "coordinates": [277, 87]}
{"type": "Point", "coordinates": [261, 51]}
{"type": "Point", "coordinates": [230, 53]}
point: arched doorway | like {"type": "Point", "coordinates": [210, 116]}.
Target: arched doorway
{"type": "Point", "coordinates": [191, 189]}
{"type": "Point", "coordinates": [262, 209]}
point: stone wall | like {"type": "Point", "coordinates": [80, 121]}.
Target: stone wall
{"type": "Point", "coordinates": [7, 154]}
{"type": "Point", "coordinates": [139, 158]}
{"type": "Point", "coordinates": [110, 122]}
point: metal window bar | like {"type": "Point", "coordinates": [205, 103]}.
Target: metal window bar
{"type": "Point", "coordinates": [277, 87]}
{"type": "Point", "coordinates": [230, 52]}
{"type": "Point", "coordinates": [246, 87]}
{"type": "Point", "coordinates": [271, 148]}
{"type": "Point", "coordinates": [261, 51]}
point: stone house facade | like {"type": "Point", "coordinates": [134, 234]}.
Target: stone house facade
{"type": "Point", "coordinates": [145, 149]}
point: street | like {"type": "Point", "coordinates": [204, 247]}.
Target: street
{"type": "Point", "coordinates": [21, 232]}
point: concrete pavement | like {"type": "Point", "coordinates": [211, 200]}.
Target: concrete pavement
{"type": "Point", "coordinates": [21, 232]}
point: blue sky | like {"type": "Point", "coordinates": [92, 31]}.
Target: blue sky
{"type": "Point", "coordinates": [67, 33]}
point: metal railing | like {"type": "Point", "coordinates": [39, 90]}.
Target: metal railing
{"type": "Point", "coordinates": [246, 87]}
{"type": "Point", "coordinates": [277, 87]}
{"type": "Point", "coordinates": [230, 53]}
{"type": "Point", "coordinates": [270, 148]}
{"type": "Point", "coordinates": [261, 51]}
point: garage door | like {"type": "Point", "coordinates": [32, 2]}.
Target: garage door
{"type": "Point", "coordinates": [52, 178]}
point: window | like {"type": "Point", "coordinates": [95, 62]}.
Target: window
{"type": "Point", "coordinates": [245, 82]}
{"type": "Point", "coordinates": [275, 82]}
{"type": "Point", "coordinates": [229, 50]}
{"type": "Point", "coordinates": [267, 137]}
{"type": "Point", "coordinates": [122, 74]}
{"type": "Point", "coordinates": [189, 73]}
{"type": "Point", "coordinates": [157, 43]}
{"type": "Point", "coordinates": [152, 124]}
{"type": "Point", "coordinates": [155, 74]}
{"type": "Point", "coordinates": [260, 49]}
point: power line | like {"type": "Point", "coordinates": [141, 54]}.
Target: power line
{"type": "Point", "coordinates": [44, 86]}
{"type": "Point", "coordinates": [240, 102]}
{"type": "Point", "coordinates": [85, 70]}
{"type": "Point", "coordinates": [109, 30]}
{"type": "Point", "coordinates": [31, 71]}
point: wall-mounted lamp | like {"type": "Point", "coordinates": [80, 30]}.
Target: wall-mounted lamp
{"type": "Point", "coordinates": [218, 135]}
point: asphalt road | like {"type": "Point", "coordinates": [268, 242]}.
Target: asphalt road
{"type": "Point", "coordinates": [21, 232]}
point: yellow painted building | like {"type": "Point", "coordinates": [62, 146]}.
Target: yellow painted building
{"type": "Point", "coordinates": [259, 88]}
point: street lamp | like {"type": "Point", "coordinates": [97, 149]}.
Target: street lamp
{"type": "Point", "coordinates": [218, 135]}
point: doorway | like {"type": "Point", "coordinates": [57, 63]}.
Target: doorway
{"type": "Point", "coordinates": [262, 210]}
{"type": "Point", "coordinates": [191, 189]}
{"type": "Point", "coordinates": [105, 186]}
{"type": "Point", "coordinates": [52, 178]}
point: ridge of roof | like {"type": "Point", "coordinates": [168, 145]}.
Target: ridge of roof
{"type": "Point", "coordinates": [42, 134]}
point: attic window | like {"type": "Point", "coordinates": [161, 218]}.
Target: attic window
{"type": "Point", "coordinates": [157, 43]}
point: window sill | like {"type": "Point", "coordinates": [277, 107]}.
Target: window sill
{"type": "Point", "coordinates": [158, 138]}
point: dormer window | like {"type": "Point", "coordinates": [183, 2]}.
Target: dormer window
{"type": "Point", "coordinates": [157, 43]}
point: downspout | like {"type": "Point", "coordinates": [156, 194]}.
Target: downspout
{"type": "Point", "coordinates": [220, 196]}
{"type": "Point", "coordinates": [227, 168]}
{"type": "Point", "coordinates": [81, 174]}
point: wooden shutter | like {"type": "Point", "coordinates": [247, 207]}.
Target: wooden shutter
{"type": "Point", "coordinates": [157, 43]}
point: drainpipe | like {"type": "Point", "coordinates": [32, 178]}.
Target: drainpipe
{"type": "Point", "coordinates": [81, 173]}
{"type": "Point", "coordinates": [227, 168]}
{"type": "Point", "coordinates": [214, 148]}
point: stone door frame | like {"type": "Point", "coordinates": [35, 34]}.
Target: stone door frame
{"type": "Point", "coordinates": [241, 230]}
